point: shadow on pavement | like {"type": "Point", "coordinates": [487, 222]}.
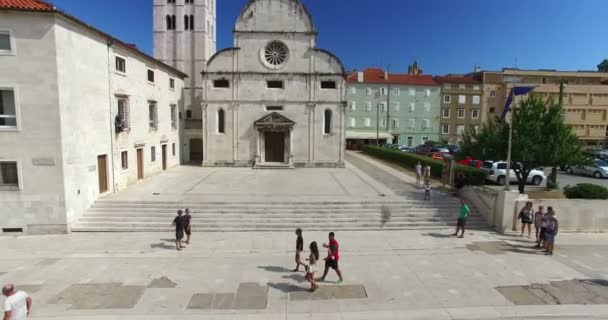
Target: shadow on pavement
{"type": "Point", "coordinates": [162, 246]}
{"type": "Point", "coordinates": [531, 249]}
{"type": "Point", "coordinates": [296, 277]}
{"type": "Point", "coordinates": [286, 287]}
{"type": "Point", "coordinates": [274, 269]}
{"type": "Point", "coordinates": [438, 235]}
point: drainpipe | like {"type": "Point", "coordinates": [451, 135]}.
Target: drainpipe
{"type": "Point", "coordinates": [110, 43]}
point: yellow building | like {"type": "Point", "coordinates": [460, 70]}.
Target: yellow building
{"type": "Point", "coordinates": [585, 96]}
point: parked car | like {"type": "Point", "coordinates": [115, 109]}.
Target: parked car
{"type": "Point", "coordinates": [405, 149]}
{"type": "Point", "coordinates": [427, 150]}
{"type": "Point", "coordinates": [599, 169]}
{"type": "Point", "coordinates": [466, 161]}
{"type": "Point", "coordinates": [476, 164]}
{"type": "Point", "coordinates": [469, 161]}
{"type": "Point", "coordinates": [453, 148]}
{"type": "Point", "coordinates": [497, 173]}
{"type": "Point", "coordinates": [437, 155]}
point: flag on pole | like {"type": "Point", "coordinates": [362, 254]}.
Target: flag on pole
{"type": "Point", "coordinates": [516, 91]}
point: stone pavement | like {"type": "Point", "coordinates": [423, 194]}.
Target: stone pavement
{"type": "Point", "coordinates": [389, 275]}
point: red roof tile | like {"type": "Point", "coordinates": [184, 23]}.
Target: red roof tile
{"type": "Point", "coordinates": [42, 6]}
{"type": "Point", "coordinates": [34, 5]}
{"type": "Point", "coordinates": [456, 79]}
{"type": "Point", "coordinates": [377, 76]}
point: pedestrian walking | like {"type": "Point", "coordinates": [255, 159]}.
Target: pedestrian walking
{"type": "Point", "coordinates": [299, 249]}
{"type": "Point", "coordinates": [543, 229]}
{"type": "Point", "coordinates": [551, 232]}
{"type": "Point", "coordinates": [427, 192]}
{"type": "Point", "coordinates": [462, 217]}
{"type": "Point", "coordinates": [538, 215]}
{"type": "Point", "coordinates": [418, 173]}
{"type": "Point", "coordinates": [178, 222]}
{"type": "Point", "coordinates": [427, 173]}
{"type": "Point", "coordinates": [526, 215]}
{"type": "Point", "coordinates": [17, 305]}
{"type": "Point", "coordinates": [333, 256]}
{"type": "Point", "coordinates": [311, 268]}
{"type": "Point", "coordinates": [187, 225]}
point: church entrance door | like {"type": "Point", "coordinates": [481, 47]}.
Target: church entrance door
{"type": "Point", "coordinates": [274, 146]}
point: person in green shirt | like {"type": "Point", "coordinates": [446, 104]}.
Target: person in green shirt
{"type": "Point", "coordinates": [462, 217]}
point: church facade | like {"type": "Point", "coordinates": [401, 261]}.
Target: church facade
{"type": "Point", "coordinates": [274, 99]}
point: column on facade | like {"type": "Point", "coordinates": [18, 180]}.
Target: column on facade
{"type": "Point", "coordinates": [204, 130]}
{"type": "Point", "coordinates": [235, 132]}
{"type": "Point", "coordinates": [291, 154]}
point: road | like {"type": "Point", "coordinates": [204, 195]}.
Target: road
{"type": "Point", "coordinates": [564, 179]}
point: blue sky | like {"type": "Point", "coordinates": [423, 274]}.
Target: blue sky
{"type": "Point", "coordinates": [444, 36]}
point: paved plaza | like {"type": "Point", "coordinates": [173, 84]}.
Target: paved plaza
{"type": "Point", "coordinates": [388, 275]}
{"type": "Point", "coordinates": [406, 274]}
{"type": "Point", "coordinates": [245, 184]}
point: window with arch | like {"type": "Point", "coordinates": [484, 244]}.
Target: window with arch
{"type": "Point", "coordinates": [191, 22]}
{"type": "Point", "coordinates": [221, 119]}
{"type": "Point", "coordinates": [168, 22]}
{"type": "Point", "coordinates": [327, 121]}
{"type": "Point", "coordinates": [186, 22]}
{"type": "Point", "coordinates": [173, 22]}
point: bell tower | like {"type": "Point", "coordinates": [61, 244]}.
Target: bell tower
{"type": "Point", "coordinates": [185, 36]}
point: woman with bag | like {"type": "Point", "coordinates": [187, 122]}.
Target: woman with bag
{"type": "Point", "coordinates": [526, 215]}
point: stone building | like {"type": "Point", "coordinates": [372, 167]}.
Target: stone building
{"type": "Point", "coordinates": [460, 106]}
{"type": "Point", "coordinates": [396, 108]}
{"type": "Point", "coordinates": [82, 114]}
{"type": "Point", "coordinates": [585, 96]}
{"type": "Point", "coordinates": [185, 38]}
{"type": "Point", "coordinates": [274, 99]}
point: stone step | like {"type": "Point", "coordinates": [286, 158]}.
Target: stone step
{"type": "Point", "coordinates": [272, 202]}
{"type": "Point", "coordinates": [286, 220]}
{"type": "Point", "coordinates": [312, 214]}
{"type": "Point", "coordinates": [278, 213]}
{"type": "Point", "coordinates": [84, 227]}
{"type": "Point", "coordinates": [275, 207]}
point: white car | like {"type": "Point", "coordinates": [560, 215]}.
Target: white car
{"type": "Point", "coordinates": [497, 173]}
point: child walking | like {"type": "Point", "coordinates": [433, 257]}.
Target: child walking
{"type": "Point", "coordinates": [311, 268]}
{"type": "Point", "coordinates": [299, 249]}
{"type": "Point", "coordinates": [427, 192]}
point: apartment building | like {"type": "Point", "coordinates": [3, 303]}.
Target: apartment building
{"type": "Point", "coordinates": [396, 108]}
{"type": "Point", "coordinates": [585, 96]}
{"type": "Point", "coordinates": [82, 114]}
{"type": "Point", "coordinates": [461, 98]}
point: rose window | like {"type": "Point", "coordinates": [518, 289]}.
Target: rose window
{"type": "Point", "coordinates": [275, 53]}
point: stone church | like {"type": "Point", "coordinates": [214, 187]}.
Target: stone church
{"type": "Point", "coordinates": [274, 99]}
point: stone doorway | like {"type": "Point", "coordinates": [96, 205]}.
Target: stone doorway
{"type": "Point", "coordinates": [274, 142]}
{"type": "Point", "coordinates": [274, 146]}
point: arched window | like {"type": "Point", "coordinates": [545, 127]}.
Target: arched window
{"type": "Point", "coordinates": [191, 22]}
{"type": "Point", "coordinates": [173, 22]}
{"type": "Point", "coordinates": [327, 122]}
{"type": "Point", "coordinates": [186, 22]}
{"type": "Point", "coordinates": [221, 127]}
{"type": "Point", "coordinates": [168, 22]}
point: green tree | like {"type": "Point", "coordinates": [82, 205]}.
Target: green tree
{"type": "Point", "coordinates": [603, 67]}
{"type": "Point", "coordinates": [540, 138]}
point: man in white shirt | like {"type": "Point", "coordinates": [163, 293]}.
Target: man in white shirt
{"type": "Point", "coordinates": [17, 304]}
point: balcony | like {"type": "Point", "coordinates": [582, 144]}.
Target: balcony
{"type": "Point", "coordinates": [193, 124]}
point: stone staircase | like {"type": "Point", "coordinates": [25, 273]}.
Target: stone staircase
{"type": "Point", "coordinates": [226, 216]}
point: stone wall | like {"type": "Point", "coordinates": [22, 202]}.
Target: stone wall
{"type": "Point", "coordinates": [575, 215]}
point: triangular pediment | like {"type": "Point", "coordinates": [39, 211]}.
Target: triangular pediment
{"type": "Point", "coordinates": [274, 119]}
